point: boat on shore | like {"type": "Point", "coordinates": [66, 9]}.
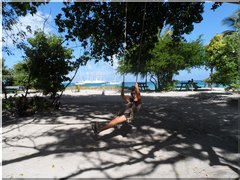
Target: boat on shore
{"type": "Point", "coordinates": [114, 83]}
{"type": "Point", "coordinates": [91, 83]}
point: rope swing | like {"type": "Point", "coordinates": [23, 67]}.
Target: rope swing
{"type": "Point", "coordinates": [125, 37]}
{"type": "Point", "coordinates": [141, 42]}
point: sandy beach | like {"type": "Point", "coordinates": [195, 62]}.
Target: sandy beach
{"type": "Point", "coordinates": [188, 134]}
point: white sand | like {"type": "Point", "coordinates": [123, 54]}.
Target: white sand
{"type": "Point", "coordinates": [176, 135]}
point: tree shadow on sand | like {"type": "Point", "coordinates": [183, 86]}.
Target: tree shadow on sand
{"type": "Point", "coordinates": [168, 130]}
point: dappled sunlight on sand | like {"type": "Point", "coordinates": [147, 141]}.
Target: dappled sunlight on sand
{"type": "Point", "coordinates": [189, 135]}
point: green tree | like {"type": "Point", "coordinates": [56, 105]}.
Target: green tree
{"type": "Point", "coordinates": [222, 58]}
{"type": "Point", "coordinates": [167, 58]}
{"type": "Point", "coordinates": [50, 63]}
{"type": "Point", "coordinates": [234, 23]}
{"type": "Point", "coordinates": [213, 52]}
{"type": "Point", "coordinates": [223, 54]}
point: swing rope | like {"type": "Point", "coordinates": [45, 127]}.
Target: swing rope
{"type": "Point", "coordinates": [125, 37]}
{"type": "Point", "coordinates": [141, 42]}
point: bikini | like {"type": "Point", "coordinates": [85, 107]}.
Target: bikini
{"type": "Point", "coordinates": [130, 111]}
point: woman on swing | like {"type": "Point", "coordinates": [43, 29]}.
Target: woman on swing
{"type": "Point", "coordinates": [133, 104]}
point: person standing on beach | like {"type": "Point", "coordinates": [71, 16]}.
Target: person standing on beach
{"type": "Point", "coordinates": [133, 105]}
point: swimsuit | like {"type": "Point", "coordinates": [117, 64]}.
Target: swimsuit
{"type": "Point", "coordinates": [130, 111]}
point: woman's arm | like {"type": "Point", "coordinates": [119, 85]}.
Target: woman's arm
{"type": "Point", "coordinates": [126, 98]}
{"type": "Point", "coordinates": [137, 91]}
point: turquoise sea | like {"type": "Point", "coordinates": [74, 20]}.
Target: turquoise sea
{"type": "Point", "coordinates": [150, 85]}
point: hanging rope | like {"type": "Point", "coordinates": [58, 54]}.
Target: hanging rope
{"type": "Point", "coordinates": [125, 37]}
{"type": "Point", "coordinates": [141, 42]}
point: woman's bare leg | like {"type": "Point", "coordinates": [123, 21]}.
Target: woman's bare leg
{"type": "Point", "coordinates": [114, 122]}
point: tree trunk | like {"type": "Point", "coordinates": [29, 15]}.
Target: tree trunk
{"type": "Point", "coordinates": [159, 82]}
{"type": "Point", "coordinates": [4, 90]}
{"type": "Point", "coordinates": [28, 82]}
{"type": "Point", "coordinates": [211, 82]}
{"type": "Point", "coordinates": [164, 80]}
{"type": "Point", "coordinates": [154, 81]}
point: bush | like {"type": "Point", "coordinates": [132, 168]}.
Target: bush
{"type": "Point", "coordinates": [233, 87]}
{"type": "Point", "coordinates": [21, 106]}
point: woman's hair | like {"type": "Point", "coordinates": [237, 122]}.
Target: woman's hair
{"type": "Point", "coordinates": [133, 89]}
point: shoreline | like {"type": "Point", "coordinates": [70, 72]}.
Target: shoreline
{"type": "Point", "coordinates": [117, 90]}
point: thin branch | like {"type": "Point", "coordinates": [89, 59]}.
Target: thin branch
{"type": "Point", "coordinates": [70, 80]}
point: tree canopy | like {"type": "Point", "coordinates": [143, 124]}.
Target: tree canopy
{"type": "Point", "coordinates": [100, 26]}
{"type": "Point", "coordinates": [11, 11]}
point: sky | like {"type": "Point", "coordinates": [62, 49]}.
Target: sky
{"type": "Point", "coordinates": [209, 26]}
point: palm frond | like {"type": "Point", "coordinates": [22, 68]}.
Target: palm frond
{"type": "Point", "coordinates": [233, 22]}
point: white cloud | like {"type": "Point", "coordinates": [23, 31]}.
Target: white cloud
{"type": "Point", "coordinates": [36, 22]}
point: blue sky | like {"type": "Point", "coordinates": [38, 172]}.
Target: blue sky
{"type": "Point", "coordinates": [210, 25]}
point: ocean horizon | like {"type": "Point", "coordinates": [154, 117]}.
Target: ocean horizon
{"type": "Point", "coordinates": [200, 83]}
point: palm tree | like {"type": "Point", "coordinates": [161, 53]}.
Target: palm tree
{"type": "Point", "coordinates": [233, 22]}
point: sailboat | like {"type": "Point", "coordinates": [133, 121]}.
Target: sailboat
{"type": "Point", "coordinates": [80, 83]}
{"type": "Point", "coordinates": [91, 82]}
{"type": "Point", "coordinates": [114, 83]}
{"type": "Point", "coordinates": [95, 82]}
